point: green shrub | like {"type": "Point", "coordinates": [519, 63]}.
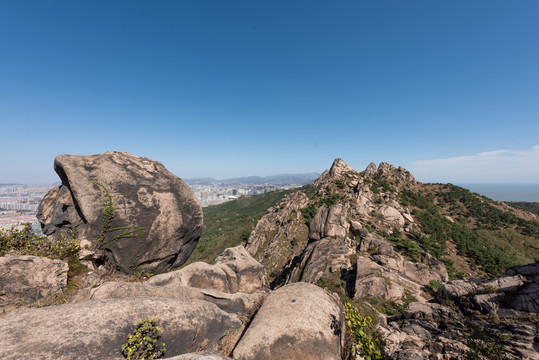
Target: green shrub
{"type": "Point", "coordinates": [435, 285]}
{"type": "Point", "coordinates": [308, 213]}
{"type": "Point", "coordinates": [141, 344]}
{"type": "Point", "coordinates": [321, 282]}
{"type": "Point", "coordinates": [104, 239]}
{"type": "Point", "coordinates": [484, 344]}
{"type": "Point", "coordinates": [23, 241]}
{"type": "Point", "coordinates": [364, 338]}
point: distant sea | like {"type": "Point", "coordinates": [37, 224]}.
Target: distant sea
{"type": "Point", "coordinates": [506, 192]}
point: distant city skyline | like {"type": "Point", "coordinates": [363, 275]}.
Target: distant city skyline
{"type": "Point", "coordinates": [446, 89]}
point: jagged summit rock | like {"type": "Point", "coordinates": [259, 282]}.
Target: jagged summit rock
{"type": "Point", "coordinates": [388, 171]}
{"type": "Point", "coordinates": [371, 170]}
{"type": "Point", "coordinates": [339, 167]}
{"type": "Point", "coordinates": [159, 216]}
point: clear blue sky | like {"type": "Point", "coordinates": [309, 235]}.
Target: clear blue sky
{"type": "Point", "coordinates": [447, 89]}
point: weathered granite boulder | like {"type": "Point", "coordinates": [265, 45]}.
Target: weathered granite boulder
{"type": "Point", "coordinates": [143, 194]}
{"type": "Point", "coordinates": [297, 321]}
{"type": "Point", "coordinates": [358, 230]}
{"type": "Point", "coordinates": [329, 222]}
{"type": "Point", "coordinates": [97, 329]}
{"type": "Point", "coordinates": [487, 295]}
{"type": "Point", "coordinates": [233, 271]}
{"type": "Point", "coordinates": [375, 245]}
{"type": "Point", "coordinates": [428, 311]}
{"type": "Point", "coordinates": [376, 281]}
{"type": "Point", "coordinates": [392, 215]}
{"type": "Point", "coordinates": [25, 279]}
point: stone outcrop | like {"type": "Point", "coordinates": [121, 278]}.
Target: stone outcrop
{"type": "Point", "coordinates": [339, 168]}
{"type": "Point", "coordinates": [198, 318]}
{"type": "Point", "coordinates": [234, 270]}
{"type": "Point", "coordinates": [526, 297]}
{"type": "Point", "coordinates": [518, 290]}
{"type": "Point", "coordinates": [143, 194]}
{"type": "Point", "coordinates": [483, 315]}
{"type": "Point", "coordinates": [98, 328]}
{"type": "Point", "coordinates": [382, 272]}
{"type": "Point", "coordinates": [392, 215]}
{"type": "Point", "coordinates": [25, 279]}
{"type": "Point", "coordinates": [434, 331]}
{"type": "Point", "coordinates": [327, 255]}
{"type": "Point", "coordinates": [297, 321]}
{"type": "Point", "coordinates": [329, 222]}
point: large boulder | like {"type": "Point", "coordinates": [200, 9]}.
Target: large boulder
{"type": "Point", "coordinates": [25, 279]}
{"type": "Point", "coordinates": [159, 216]}
{"type": "Point", "coordinates": [297, 321]}
{"type": "Point", "coordinates": [97, 329]}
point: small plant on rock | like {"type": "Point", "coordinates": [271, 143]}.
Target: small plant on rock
{"type": "Point", "coordinates": [365, 340]}
{"type": "Point", "coordinates": [122, 232]}
{"type": "Point", "coordinates": [142, 343]}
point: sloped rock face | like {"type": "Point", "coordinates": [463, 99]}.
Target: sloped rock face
{"type": "Point", "coordinates": [388, 276]}
{"type": "Point", "coordinates": [25, 279]}
{"type": "Point", "coordinates": [281, 234]}
{"type": "Point", "coordinates": [319, 258]}
{"type": "Point", "coordinates": [297, 321]}
{"type": "Point", "coordinates": [97, 329]}
{"type": "Point", "coordinates": [329, 222]}
{"type": "Point", "coordinates": [144, 194]}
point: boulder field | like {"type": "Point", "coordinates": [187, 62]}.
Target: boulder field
{"type": "Point", "coordinates": [230, 312]}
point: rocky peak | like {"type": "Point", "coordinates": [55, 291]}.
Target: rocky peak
{"type": "Point", "coordinates": [371, 170]}
{"type": "Point", "coordinates": [389, 171]}
{"type": "Point", "coordinates": [339, 168]}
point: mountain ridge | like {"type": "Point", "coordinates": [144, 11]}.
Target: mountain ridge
{"type": "Point", "coordinates": [281, 179]}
